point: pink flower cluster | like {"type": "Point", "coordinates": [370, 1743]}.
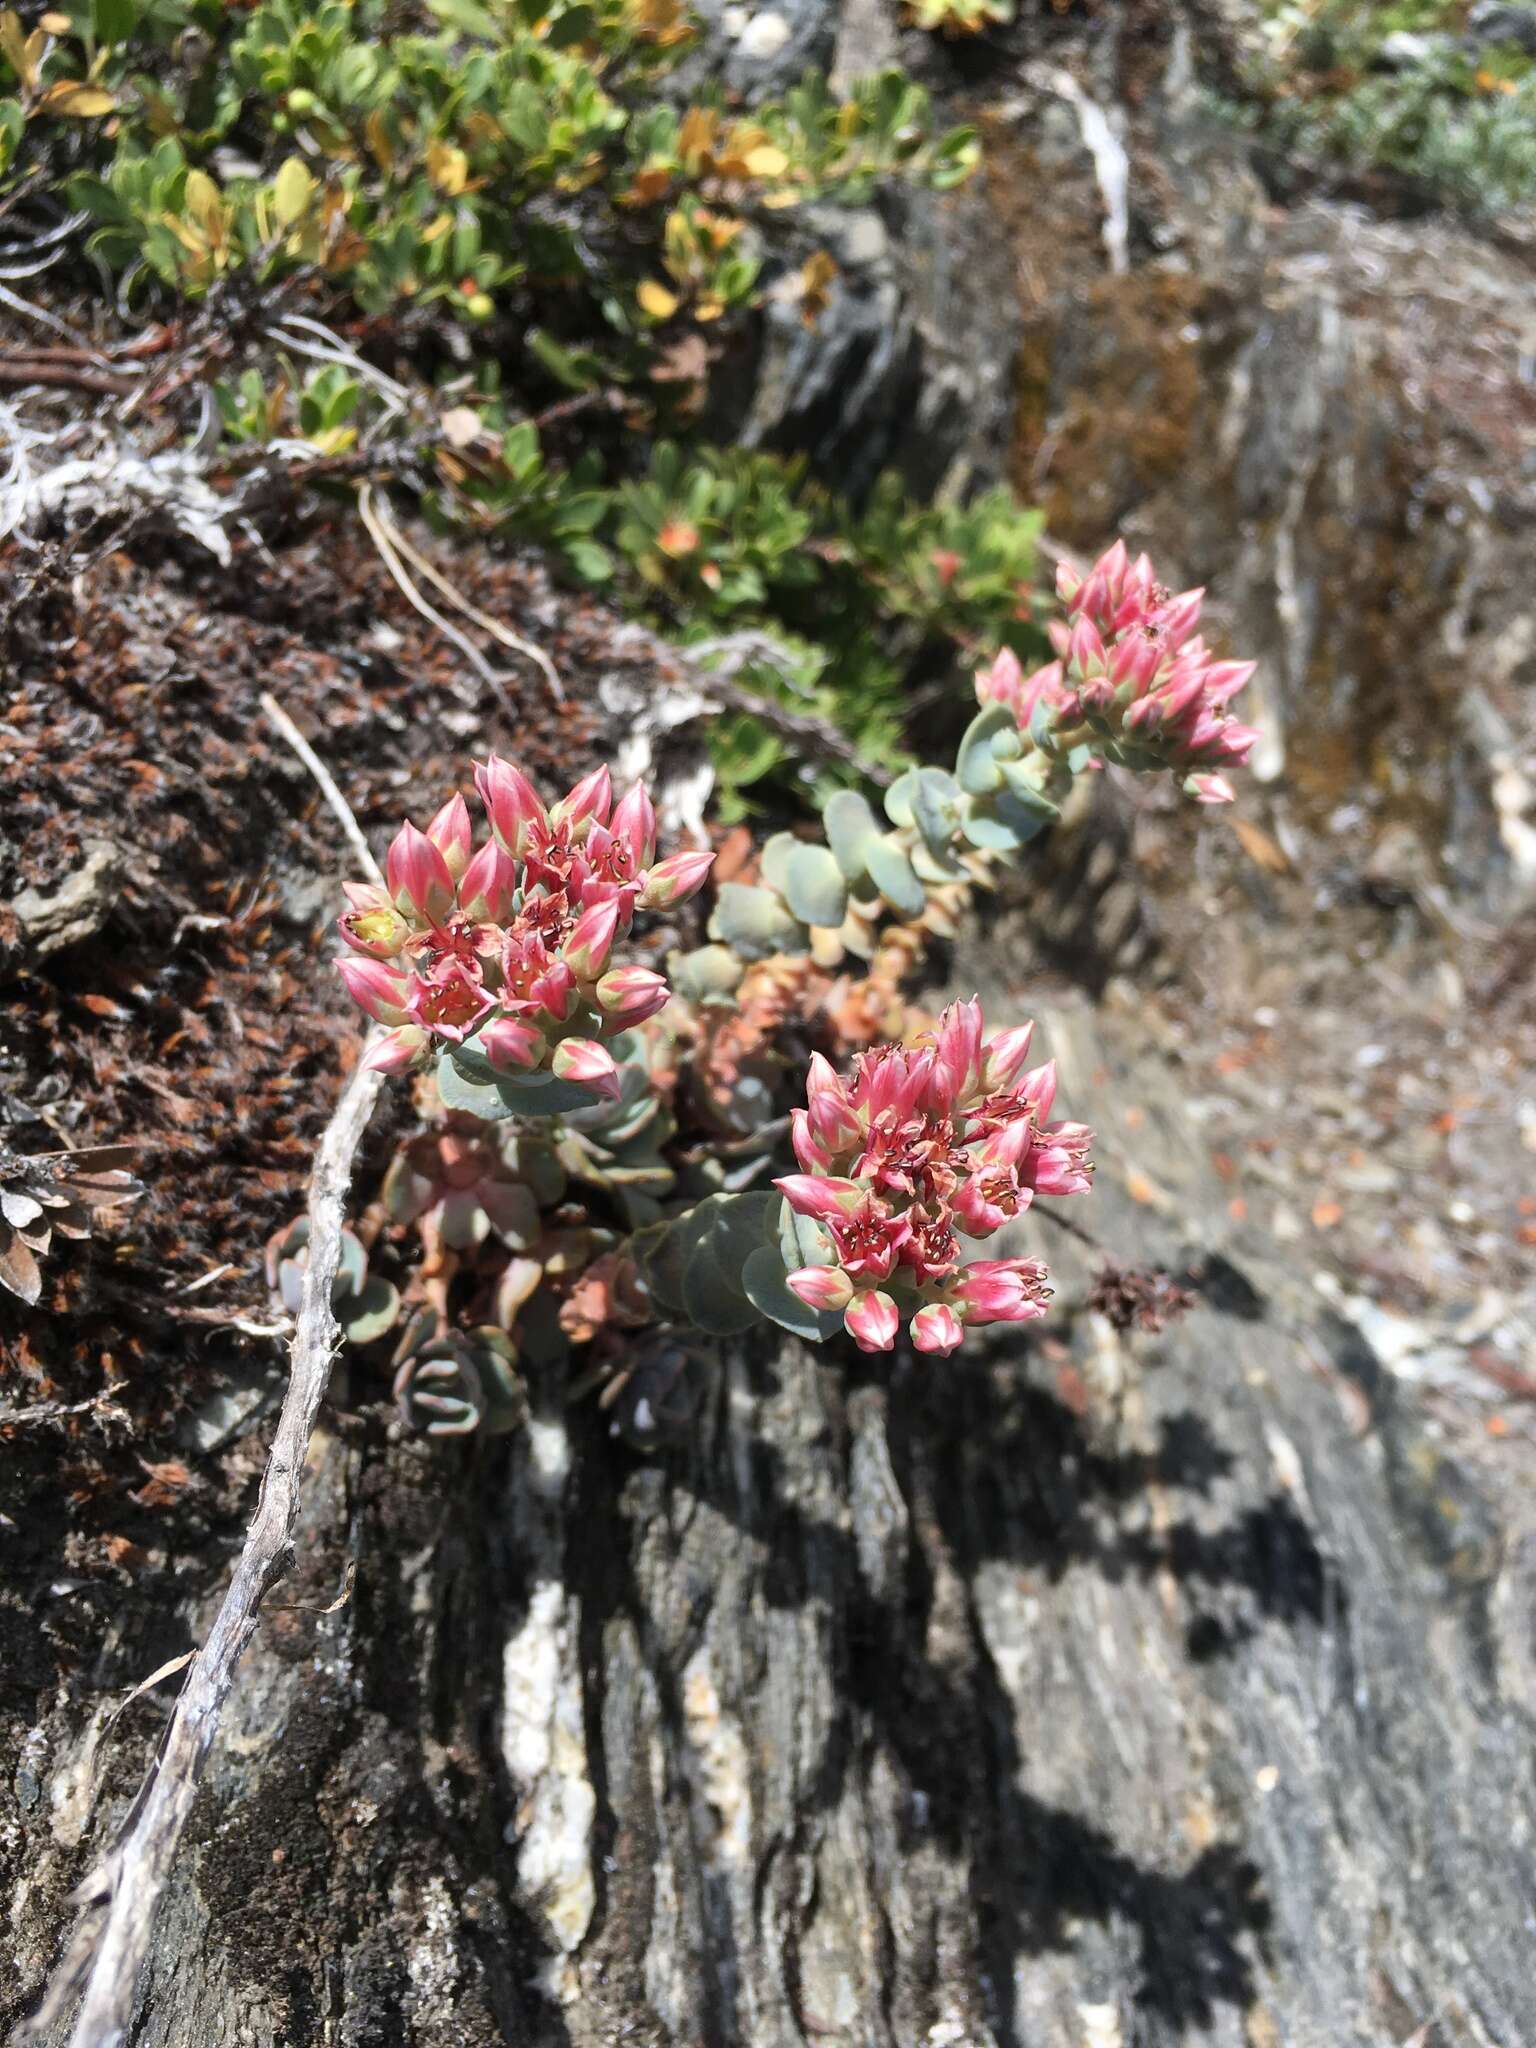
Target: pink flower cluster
{"type": "Point", "coordinates": [514, 943]}
{"type": "Point", "coordinates": [1131, 667]}
{"type": "Point", "coordinates": [919, 1148]}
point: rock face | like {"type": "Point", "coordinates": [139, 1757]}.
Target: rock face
{"type": "Point", "coordinates": [1087, 1690]}
{"type": "Point", "coordinates": [1327, 417]}
{"type": "Point", "coordinates": [1076, 1692]}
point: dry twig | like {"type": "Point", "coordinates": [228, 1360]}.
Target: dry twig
{"type": "Point", "coordinates": [382, 536]}
{"type": "Point", "coordinates": [278, 718]}
{"type": "Point", "coordinates": [120, 1896]}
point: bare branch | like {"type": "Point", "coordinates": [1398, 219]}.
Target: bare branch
{"type": "Point", "coordinates": [494, 627]}
{"type": "Point", "coordinates": [382, 536]}
{"type": "Point", "coordinates": [120, 1896]}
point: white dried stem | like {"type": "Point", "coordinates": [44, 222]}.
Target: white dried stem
{"type": "Point", "coordinates": [120, 1897]}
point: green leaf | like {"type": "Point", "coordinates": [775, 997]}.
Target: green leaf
{"type": "Point", "coordinates": [898, 799]}
{"type": "Point", "coordinates": [773, 863]}
{"type": "Point", "coordinates": [351, 1267]}
{"type": "Point", "coordinates": [851, 826]}
{"type": "Point", "coordinates": [935, 798]}
{"type": "Point", "coordinates": [591, 562]}
{"type": "Point", "coordinates": [936, 868]}
{"type": "Point", "coordinates": [975, 768]}
{"type": "Point", "coordinates": [1023, 787]}
{"type": "Point", "coordinates": [576, 369]}
{"type": "Point", "coordinates": [766, 1288]}
{"type": "Point", "coordinates": [754, 923]}
{"type": "Point", "coordinates": [462, 1083]}
{"type": "Point", "coordinates": [708, 971]}
{"type": "Point", "coordinates": [892, 874]}
{"type": "Point", "coordinates": [814, 888]}
{"type": "Point", "coordinates": [801, 1241]}
{"type": "Point", "coordinates": [469, 16]}
{"type": "Point", "coordinates": [712, 1300]}
{"type": "Point", "coordinates": [369, 1314]}
{"type": "Point", "coordinates": [476, 1098]}
{"type": "Point", "coordinates": [1001, 825]}
{"type": "Point", "coordinates": [112, 20]}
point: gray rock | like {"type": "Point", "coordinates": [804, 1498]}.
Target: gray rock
{"type": "Point", "coordinates": [1403, 50]}
{"type": "Point", "coordinates": [75, 908]}
{"type": "Point", "coordinates": [1490, 22]}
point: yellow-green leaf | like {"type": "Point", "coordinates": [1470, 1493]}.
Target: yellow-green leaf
{"type": "Point", "coordinates": [292, 189]}
{"type": "Point", "coordinates": [656, 300]}
{"type": "Point", "coordinates": [767, 161]}
{"type": "Point", "coordinates": [201, 199]}
{"type": "Point", "coordinates": [81, 102]}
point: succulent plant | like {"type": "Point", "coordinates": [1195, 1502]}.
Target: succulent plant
{"type": "Point", "coordinates": [465, 1181]}
{"type": "Point", "coordinates": [656, 1396]}
{"type": "Point", "coordinates": [828, 899]}
{"type": "Point", "coordinates": [609, 1295]}
{"type": "Point", "coordinates": [617, 1146]}
{"type": "Point", "coordinates": [46, 1192]}
{"type": "Point", "coordinates": [452, 1382]}
{"type": "Point", "coordinates": [721, 1265]}
{"type": "Point", "coordinates": [363, 1303]}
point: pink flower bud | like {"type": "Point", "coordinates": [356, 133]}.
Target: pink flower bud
{"type": "Point", "coordinates": [823, 1197]}
{"type": "Point", "coordinates": [398, 1051]}
{"type": "Point", "coordinates": [453, 836]}
{"type": "Point", "coordinates": [585, 1061]}
{"type": "Point", "coordinates": [587, 949]}
{"type": "Point", "coordinates": [1209, 789]}
{"type": "Point", "coordinates": [675, 879]}
{"type": "Point", "coordinates": [831, 1113]}
{"type": "Point", "coordinates": [1180, 616]}
{"type": "Point", "coordinates": [821, 1287]}
{"type": "Point", "coordinates": [511, 803]}
{"type": "Point", "coordinates": [631, 994]}
{"type": "Point", "coordinates": [511, 1044]}
{"type": "Point", "coordinates": [937, 1328]}
{"type": "Point", "coordinates": [957, 1066]}
{"type": "Point", "coordinates": [486, 885]}
{"type": "Point", "coordinates": [634, 822]}
{"type": "Point", "coordinates": [1004, 1056]}
{"type": "Point", "coordinates": [812, 1155]}
{"type": "Point", "coordinates": [871, 1320]}
{"type": "Point", "coordinates": [1001, 683]}
{"type": "Point", "coordinates": [376, 989]}
{"type": "Point", "coordinates": [1085, 649]}
{"type": "Point", "coordinates": [418, 877]}
{"type": "Point", "coordinates": [587, 804]}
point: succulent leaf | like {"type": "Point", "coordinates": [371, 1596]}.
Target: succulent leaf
{"type": "Point", "coordinates": [754, 922]}
{"type": "Point", "coordinates": [712, 1298]}
{"type": "Point", "coordinates": [814, 887]}
{"type": "Point", "coordinates": [892, 874]}
{"type": "Point", "coordinates": [850, 826]}
{"type": "Point", "coordinates": [976, 767]}
{"type": "Point", "coordinates": [773, 863]}
{"type": "Point", "coordinates": [899, 800]}
{"type": "Point", "coordinates": [762, 1278]}
{"type": "Point", "coordinates": [935, 798]}
{"type": "Point", "coordinates": [367, 1312]}
{"type": "Point", "coordinates": [707, 972]}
